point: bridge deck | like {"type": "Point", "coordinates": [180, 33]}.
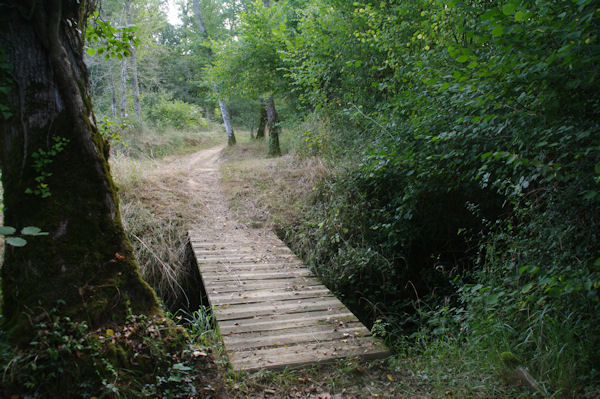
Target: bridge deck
{"type": "Point", "coordinates": [272, 312]}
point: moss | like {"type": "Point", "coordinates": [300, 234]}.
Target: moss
{"type": "Point", "coordinates": [87, 253]}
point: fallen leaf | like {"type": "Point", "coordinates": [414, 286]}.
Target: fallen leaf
{"type": "Point", "coordinates": [389, 377]}
{"type": "Point", "coordinates": [110, 332]}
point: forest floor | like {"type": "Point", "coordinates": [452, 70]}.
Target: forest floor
{"type": "Point", "coordinates": [191, 187]}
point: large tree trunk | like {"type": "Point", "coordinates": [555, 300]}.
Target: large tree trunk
{"type": "Point", "coordinates": [86, 260]}
{"type": "Point", "coordinates": [262, 122]}
{"type": "Point", "coordinates": [273, 126]}
{"type": "Point", "coordinates": [222, 104]}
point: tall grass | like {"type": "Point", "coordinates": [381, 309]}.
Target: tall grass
{"type": "Point", "coordinates": [157, 210]}
{"type": "Point", "coordinates": [140, 141]}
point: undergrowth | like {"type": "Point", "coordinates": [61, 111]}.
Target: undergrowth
{"type": "Point", "coordinates": [465, 301]}
{"type": "Point", "coordinates": [145, 357]}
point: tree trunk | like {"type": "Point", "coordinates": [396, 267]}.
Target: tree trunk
{"type": "Point", "coordinates": [134, 72]}
{"type": "Point", "coordinates": [222, 104]}
{"type": "Point", "coordinates": [273, 126]}
{"type": "Point", "coordinates": [208, 111]}
{"type": "Point", "coordinates": [262, 122]}
{"type": "Point", "coordinates": [135, 83]}
{"type": "Point", "coordinates": [123, 88]}
{"type": "Point", "coordinates": [227, 122]}
{"type": "Point", "coordinates": [86, 260]}
{"type": "Point", "coordinates": [113, 94]}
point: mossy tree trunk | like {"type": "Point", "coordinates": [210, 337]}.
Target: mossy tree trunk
{"type": "Point", "coordinates": [86, 260]}
{"type": "Point", "coordinates": [262, 122]}
{"type": "Point", "coordinates": [273, 126]}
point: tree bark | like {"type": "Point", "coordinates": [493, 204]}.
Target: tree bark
{"type": "Point", "coordinates": [113, 93]}
{"type": "Point", "coordinates": [273, 126]}
{"type": "Point", "coordinates": [135, 83]}
{"type": "Point", "coordinates": [135, 86]}
{"type": "Point", "coordinates": [123, 88]}
{"type": "Point", "coordinates": [262, 122]}
{"type": "Point", "coordinates": [86, 260]}
{"type": "Point", "coordinates": [222, 104]}
{"type": "Point", "coordinates": [227, 122]}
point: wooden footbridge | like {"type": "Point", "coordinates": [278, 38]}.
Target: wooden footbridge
{"type": "Point", "coordinates": [271, 311]}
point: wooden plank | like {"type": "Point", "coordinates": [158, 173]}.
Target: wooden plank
{"type": "Point", "coordinates": [258, 275]}
{"type": "Point", "coordinates": [233, 258]}
{"type": "Point", "coordinates": [252, 266]}
{"type": "Point", "coordinates": [313, 335]}
{"type": "Point", "coordinates": [281, 322]}
{"type": "Point", "coordinates": [353, 328]}
{"type": "Point", "coordinates": [228, 312]}
{"type": "Point", "coordinates": [243, 250]}
{"type": "Point", "coordinates": [216, 287]}
{"type": "Point", "coordinates": [302, 354]}
{"type": "Point", "coordinates": [267, 295]}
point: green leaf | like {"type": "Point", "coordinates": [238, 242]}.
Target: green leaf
{"type": "Point", "coordinates": [33, 231]}
{"type": "Point", "coordinates": [491, 299]}
{"type": "Point", "coordinates": [527, 288]}
{"type": "Point", "coordinates": [498, 31]}
{"type": "Point", "coordinates": [16, 241]}
{"type": "Point", "coordinates": [181, 367]}
{"type": "Point", "coordinates": [520, 16]}
{"type": "Point", "coordinates": [91, 51]}
{"type": "Point", "coordinates": [7, 230]}
{"type": "Point", "coordinates": [463, 58]}
{"type": "Point", "coordinates": [509, 8]}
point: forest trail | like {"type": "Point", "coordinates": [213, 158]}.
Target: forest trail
{"type": "Point", "coordinates": [271, 310]}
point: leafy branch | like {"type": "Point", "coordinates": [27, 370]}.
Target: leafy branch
{"type": "Point", "coordinates": [42, 159]}
{"type": "Point", "coordinates": [110, 40]}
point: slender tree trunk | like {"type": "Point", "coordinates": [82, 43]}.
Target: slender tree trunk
{"type": "Point", "coordinates": [123, 88]}
{"type": "Point", "coordinates": [273, 126]}
{"type": "Point", "coordinates": [113, 93]}
{"type": "Point", "coordinates": [227, 121]}
{"type": "Point", "coordinates": [134, 72]}
{"type": "Point", "coordinates": [262, 122]}
{"type": "Point", "coordinates": [86, 260]}
{"type": "Point", "coordinates": [222, 104]}
{"type": "Point", "coordinates": [135, 83]}
{"type": "Point", "coordinates": [208, 111]}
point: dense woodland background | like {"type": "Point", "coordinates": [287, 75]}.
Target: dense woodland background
{"type": "Point", "coordinates": [454, 154]}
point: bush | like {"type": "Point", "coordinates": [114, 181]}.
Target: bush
{"type": "Point", "coordinates": [163, 112]}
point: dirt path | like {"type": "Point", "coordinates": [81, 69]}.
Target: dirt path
{"type": "Point", "coordinates": [199, 179]}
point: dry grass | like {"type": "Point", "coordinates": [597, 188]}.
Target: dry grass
{"type": "Point", "coordinates": [157, 209]}
{"type": "Point", "coordinates": [263, 191]}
